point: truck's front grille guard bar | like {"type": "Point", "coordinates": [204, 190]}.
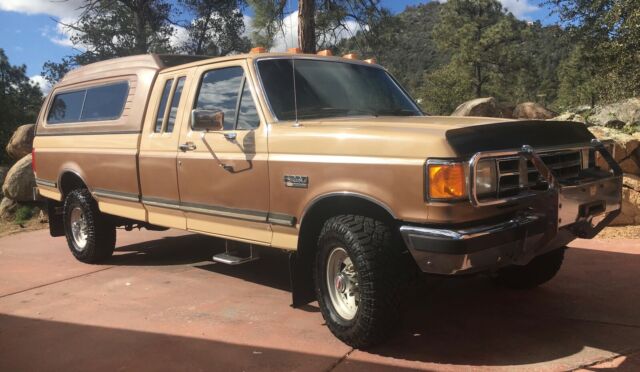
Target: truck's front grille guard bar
{"type": "Point", "coordinates": [530, 154]}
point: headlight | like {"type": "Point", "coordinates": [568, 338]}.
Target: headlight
{"type": "Point", "coordinates": [446, 180]}
{"type": "Point", "coordinates": [486, 180]}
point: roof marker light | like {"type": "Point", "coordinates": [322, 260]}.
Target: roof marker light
{"type": "Point", "coordinates": [295, 50]}
{"type": "Point", "coordinates": [257, 50]}
{"type": "Point", "coordinates": [372, 61]}
{"type": "Point", "coordinates": [325, 53]}
{"type": "Point", "coordinates": [350, 56]}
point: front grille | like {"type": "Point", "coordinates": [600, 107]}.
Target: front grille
{"type": "Point", "coordinates": [564, 164]}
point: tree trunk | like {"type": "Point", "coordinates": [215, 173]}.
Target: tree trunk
{"type": "Point", "coordinates": [306, 26]}
{"type": "Point", "coordinates": [478, 81]}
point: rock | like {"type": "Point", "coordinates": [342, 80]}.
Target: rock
{"type": "Point", "coordinates": [21, 142]}
{"type": "Point", "coordinates": [486, 107]}
{"type": "Point", "coordinates": [615, 124]}
{"type": "Point", "coordinates": [3, 175]}
{"type": "Point", "coordinates": [7, 208]}
{"type": "Point", "coordinates": [630, 214]}
{"type": "Point", "coordinates": [532, 110]}
{"type": "Point", "coordinates": [20, 181]}
{"type": "Point", "coordinates": [506, 110]}
{"type": "Point", "coordinates": [570, 116]}
{"type": "Point", "coordinates": [626, 111]}
{"type": "Point", "coordinates": [626, 148]}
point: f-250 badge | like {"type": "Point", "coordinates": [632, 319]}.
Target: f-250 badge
{"type": "Point", "coordinates": [301, 182]}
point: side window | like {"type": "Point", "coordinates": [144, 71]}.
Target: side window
{"type": "Point", "coordinates": [175, 102]}
{"type": "Point", "coordinates": [248, 114]}
{"type": "Point", "coordinates": [105, 102]}
{"type": "Point", "coordinates": [66, 108]}
{"type": "Point", "coordinates": [163, 105]}
{"type": "Point", "coordinates": [219, 90]}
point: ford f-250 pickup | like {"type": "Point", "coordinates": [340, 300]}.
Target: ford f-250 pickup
{"type": "Point", "coordinates": [325, 158]}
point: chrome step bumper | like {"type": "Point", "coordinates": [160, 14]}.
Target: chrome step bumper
{"type": "Point", "coordinates": [549, 219]}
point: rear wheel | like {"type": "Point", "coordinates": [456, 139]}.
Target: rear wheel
{"type": "Point", "coordinates": [539, 271]}
{"type": "Point", "coordinates": [90, 236]}
{"type": "Point", "coordinates": [359, 276]}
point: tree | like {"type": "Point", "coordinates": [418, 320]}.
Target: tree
{"type": "Point", "coordinates": [116, 28]}
{"type": "Point", "coordinates": [320, 22]}
{"type": "Point", "coordinates": [216, 29]}
{"type": "Point", "coordinates": [609, 31]}
{"type": "Point", "coordinates": [20, 101]}
{"type": "Point", "coordinates": [481, 38]}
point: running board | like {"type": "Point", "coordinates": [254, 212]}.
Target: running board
{"type": "Point", "coordinates": [233, 258]}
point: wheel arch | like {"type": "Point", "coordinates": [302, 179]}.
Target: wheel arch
{"type": "Point", "coordinates": [69, 180]}
{"type": "Point", "coordinates": [311, 221]}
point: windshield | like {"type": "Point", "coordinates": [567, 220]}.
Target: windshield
{"type": "Point", "coordinates": [330, 89]}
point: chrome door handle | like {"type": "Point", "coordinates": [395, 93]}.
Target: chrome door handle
{"type": "Point", "coordinates": [231, 136]}
{"type": "Point", "coordinates": [188, 146]}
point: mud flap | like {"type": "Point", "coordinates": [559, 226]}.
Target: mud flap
{"type": "Point", "coordinates": [301, 279]}
{"type": "Point", "coordinates": [55, 214]}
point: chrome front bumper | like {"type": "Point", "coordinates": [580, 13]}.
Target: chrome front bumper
{"type": "Point", "coordinates": [549, 220]}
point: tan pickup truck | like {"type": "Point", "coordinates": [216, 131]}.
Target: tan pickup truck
{"type": "Point", "coordinates": [325, 158]}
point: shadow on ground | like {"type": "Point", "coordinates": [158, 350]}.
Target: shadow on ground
{"type": "Point", "coordinates": [591, 304]}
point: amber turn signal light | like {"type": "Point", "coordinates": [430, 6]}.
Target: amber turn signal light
{"type": "Point", "coordinates": [446, 181]}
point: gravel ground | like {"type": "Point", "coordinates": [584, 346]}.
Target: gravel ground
{"type": "Point", "coordinates": [616, 232]}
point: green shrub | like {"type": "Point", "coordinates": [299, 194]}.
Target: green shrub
{"type": "Point", "coordinates": [24, 213]}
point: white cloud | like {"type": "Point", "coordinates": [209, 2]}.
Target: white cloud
{"type": "Point", "coordinates": [56, 8]}
{"type": "Point", "coordinates": [288, 36]}
{"type": "Point", "coordinates": [520, 8]}
{"type": "Point", "coordinates": [40, 81]}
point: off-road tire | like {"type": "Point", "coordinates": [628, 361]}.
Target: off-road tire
{"type": "Point", "coordinates": [539, 271]}
{"type": "Point", "coordinates": [101, 234]}
{"type": "Point", "coordinates": [382, 275]}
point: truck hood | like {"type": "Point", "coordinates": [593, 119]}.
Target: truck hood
{"type": "Point", "coordinates": [449, 135]}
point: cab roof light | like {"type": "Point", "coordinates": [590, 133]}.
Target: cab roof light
{"type": "Point", "coordinates": [372, 61]}
{"type": "Point", "coordinates": [350, 56]}
{"type": "Point", "coordinates": [325, 53]}
{"type": "Point", "coordinates": [257, 50]}
{"type": "Point", "coordinates": [295, 50]}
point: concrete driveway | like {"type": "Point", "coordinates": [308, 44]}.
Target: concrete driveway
{"type": "Point", "coordinates": [161, 304]}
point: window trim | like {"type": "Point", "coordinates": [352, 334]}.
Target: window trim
{"type": "Point", "coordinates": [86, 89]}
{"type": "Point", "coordinates": [166, 106]}
{"type": "Point", "coordinates": [172, 95]}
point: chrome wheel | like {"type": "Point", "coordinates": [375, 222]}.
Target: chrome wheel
{"type": "Point", "coordinates": [342, 282]}
{"type": "Point", "coordinates": [78, 228]}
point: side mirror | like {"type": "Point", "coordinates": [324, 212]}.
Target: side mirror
{"type": "Point", "coordinates": [207, 120]}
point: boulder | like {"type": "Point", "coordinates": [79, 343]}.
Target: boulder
{"type": "Point", "coordinates": [21, 142]}
{"type": "Point", "coordinates": [20, 181]}
{"type": "Point", "coordinates": [626, 111]}
{"type": "Point", "coordinates": [3, 175]}
{"type": "Point", "coordinates": [626, 148]}
{"type": "Point", "coordinates": [7, 208]}
{"type": "Point", "coordinates": [570, 116]}
{"type": "Point", "coordinates": [532, 110]}
{"type": "Point", "coordinates": [630, 214]}
{"type": "Point", "coordinates": [487, 107]}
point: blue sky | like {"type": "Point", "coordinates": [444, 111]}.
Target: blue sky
{"type": "Point", "coordinates": [30, 35]}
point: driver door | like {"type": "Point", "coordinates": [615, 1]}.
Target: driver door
{"type": "Point", "coordinates": [222, 173]}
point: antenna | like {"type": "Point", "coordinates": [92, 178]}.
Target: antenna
{"type": "Point", "coordinates": [295, 92]}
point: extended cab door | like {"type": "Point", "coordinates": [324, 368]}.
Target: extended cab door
{"type": "Point", "coordinates": [223, 174]}
{"type": "Point", "coordinates": [166, 115]}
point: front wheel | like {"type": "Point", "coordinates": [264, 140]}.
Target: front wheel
{"type": "Point", "coordinates": [359, 275]}
{"type": "Point", "coordinates": [539, 271]}
{"type": "Point", "coordinates": [90, 236]}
